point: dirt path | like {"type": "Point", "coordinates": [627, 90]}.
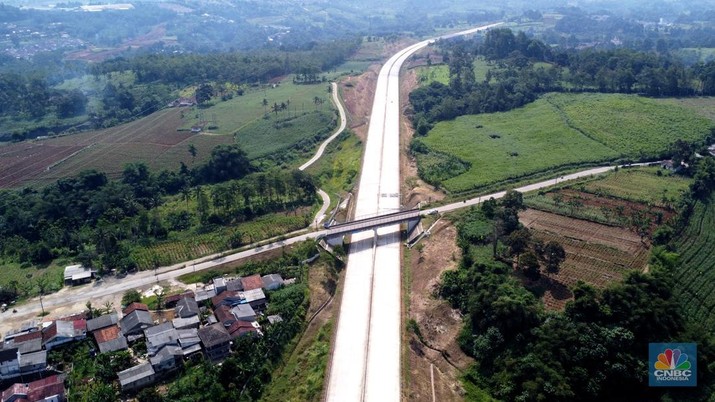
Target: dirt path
{"type": "Point", "coordinates": [439, 324]}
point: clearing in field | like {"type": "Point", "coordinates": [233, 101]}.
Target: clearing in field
{"type": "Point", "coordinates": [595, 254]}
{"type": "Point", "coordinates": [695, 276]}
{"type": "Point", "coordinates": [556, 132]}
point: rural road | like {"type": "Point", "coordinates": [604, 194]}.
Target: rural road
{"type": "Point", "coordinates": [343, 123]}
{"type": "Point", "coordinates": [365, 363]}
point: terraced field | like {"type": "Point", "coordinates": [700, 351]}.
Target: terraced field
{"type": "Point", "coordinates": [695, 278]}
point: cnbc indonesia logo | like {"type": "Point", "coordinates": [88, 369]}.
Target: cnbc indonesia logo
{"type": "Point", "coordinates": [672, 365]}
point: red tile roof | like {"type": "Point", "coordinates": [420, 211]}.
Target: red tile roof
{"type": "Point", "coordinates": [28, 337]}
{"type": "Point", "coordinates": [216, 300]}
{"type": "Point", "coordinates": [107, 334]}
{"type": "Point", "coordinates": [223, 313]}
{"type": "Point", "coordinates": [252, 282]}
{"type": "Point", "coordinates": [49, 332]}
{"type": "Point", "coordinates": [80, 325]}
{"type": "Point", "coordinates": [135, 306]}
{"type": "Point", "coordinates": [36, 390]}
{"type": "Point", "coordinates": [239, 328]}
{"type": "Point", "coordinates": [178, 296]}
{"type": "Point", "coordinates": [78, 316]}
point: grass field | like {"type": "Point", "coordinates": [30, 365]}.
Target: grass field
{"type": "Point", "coordinates": [558, 131]}
{"type": "Point", "coordinates": [649, 185]}
{"type": "Point", "coordinates": [338, 169]}
{"type": "Point", "coordinates": [509, 145]}
{"type": "Point", "coordinates": [14, 273]}
{"type": "Point", "coordinates": [695, 277]}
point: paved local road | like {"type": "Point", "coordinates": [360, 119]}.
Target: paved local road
{"type": "Point", "coordinates": [365, 363]}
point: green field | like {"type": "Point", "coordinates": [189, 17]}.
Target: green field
{"type": "Point", "coordinates": [440, 73]}
{"type": "Point", "coordinates": [267, 136]}
{"type": "Point", "coordinates": [644, 185]}
{"type": "Point", "coordinates": [555, 132]}
{"type": "Point", "coordinates": [695, 277]}
{"type": "Point", "coordinates": [238, 113]}
{"type": "Point", "coordinates": [338, 169]}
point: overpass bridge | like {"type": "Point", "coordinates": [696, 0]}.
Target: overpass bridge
{"type": "Point", "coordinates": [334, 233]}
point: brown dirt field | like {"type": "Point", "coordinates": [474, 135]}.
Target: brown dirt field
{"type": "Point", "coordinates": [596, 254]}
{"type": "Point", "coordinates": [156, 35]}
{"type": "Point", "coordinates": [613, 204]}
{"type": "Point", "coordinates": [358, 94]}
{"type": "Point", "coordinates": [153, 140]}
{"type": "Point", "coordinates": [438, 322]}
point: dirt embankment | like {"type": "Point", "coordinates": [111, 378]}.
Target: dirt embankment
{"type": "Point", "coordinates": [439, 324]}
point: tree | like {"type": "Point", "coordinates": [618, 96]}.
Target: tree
{"type": "Point", "coordinates": [530, 265]}
{"type": "Point", "coordinates": [131, 296]}
{"type": "Point", "coordinates": [43, 283]}
{"type": "Point", "coordinates": [192, 152]}
{"type": "Point", "coordinates": [554, 254]}
{"type": "Point", "coordinates": [204, 93]}
{"type": "Point", "coordinates": [518, 242]}
{"type": "Point", "coordinates": [159, 299]}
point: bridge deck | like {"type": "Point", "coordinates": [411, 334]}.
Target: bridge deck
{"type": "Point", "coordinates": [374, 222]}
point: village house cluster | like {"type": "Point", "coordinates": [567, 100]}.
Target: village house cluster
{"type": "Point", "coordinates": [201, 324]}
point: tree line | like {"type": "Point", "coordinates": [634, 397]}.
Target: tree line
{"type": "Point", "coordinates": [96, 220]}
{"type": "Point", "coordinates": [514, 81]}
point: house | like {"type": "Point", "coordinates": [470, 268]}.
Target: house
{"type": "Point", "coordinates": [26, 329]}
{"type": "Point", "coordinates": [227, 298]}
{"type": "Point", "coordinates": [136, 377]}
{"type": "Point", "coordinates": [172, 300]}
{"type": "Point", "coordinates": [33, 362]}
{"type": "Point", "coordinates": [9, 363]}
{"type": "Point", "coordinates": [216, 341]}
{"type": "Point", "coordinates": [159, 336]}
{"type": "Point", "coordinates": [183, 102]}
{"type": "Point", "coordinates": [255, 297]}
{"type": "Point", "coordinates": [272, 281]}
{"type": "Point", "coordinates": [134, 306]}
{"type": "Point", "coordinates": [187, 307]}
{"type": "Point", "coordinates": [189, 341]}
{"type": "Point", "coordinates": [110, 339]}
{"type": "Point", "coordinates": [224, 316]}
{"type": "Point", "coordinates": [102, 321]}
{"type": "Point", "coordinates": [252, 282]}
{"type": "Point", "coordinates": [219, 285]}
{"type": "Point", "coordinates": [77, 275]}
{"type": "Point", "coordinates": [166, 359]}
{"type": "Point", "coordinates": [61, 332]}
{"type": "Point", "coordinates": [243, 312]}
{"type": "Point", "coordinates": [206, 294]}
{"type": "Point", "coordinates": [234, 285]}
{"type": "Point", "coordinates": [47, 389]}
{"type": "Point", "coordinates": [134, 323]}
{"type": "Point", "coordinates": [241, 328]}
{"type": "Point", "coordinates": [27, 345]}
{"type": "Point", "coordinates": [186, 323]}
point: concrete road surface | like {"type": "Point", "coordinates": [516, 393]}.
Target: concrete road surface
{"type": "Point", "coordinates": [365, 362]}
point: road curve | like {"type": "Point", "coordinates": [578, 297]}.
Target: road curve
{"type": "Point", "coordinates": [365, 363]}
{"type": "Point", "coordinates": [343, 124]}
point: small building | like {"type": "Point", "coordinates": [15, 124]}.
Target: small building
{"type": "Point", "coordinates": [136, 377]}
{"type": "Point", "coordinates": [216, 341]}
{"type": "Point", "coordinates": [272, 281]}
{"type": "Point", "coordinates": [224, 316]}
{"type": "Point", "coordinates": [172, 300]}
{"type": "Point", "coordinates": [219, 285]}
{"type": "Point", "coordinates": [77, 275]}
{"type": "Point", "coordinates": [102, 321]}
{"type": "Point", "coordinates": [244, 312]}
{"type": "Point", "coordinates": [61, 332]}
{"type": "Point", "coordinates": [9, 363]}
{"type": "Point", "coordinates": [206, 294]}
{"type": "Point", "coordinates": [47, 389]}
{"type": "Point", "coordinates": [274, 319]}
{"type": "Point", "coordinates": [252, 282]}
{"type": "Point", "coordinates": [234, 285]}
{"type": "Point", "coordinates": [243, 328]}
{"type": "Point", "coordinates": [135, 306]}
{"type": "Point", "coordinates": [255, 297]}
{"type": "Point", "coordinates": [186, 323]}
{"type": "Point", "coordinates": [227, 298]}
{"type": "Point", "coordinates": [135, 323]}
{"type": "Point", "coordinates": [110, 339]}
{"type": "Point", "coordinates": [33, 362]}
{"type": "Point", "coordinates": [187, 307]}
{"type": "Point", "coordinates": [166, 359]}
{"type": "Point", "coordinates": [159, 336]}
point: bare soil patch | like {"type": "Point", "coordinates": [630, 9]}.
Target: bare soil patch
{"type": "Point", "coordinates": [358, 93]}
{"type": "Point", "coordinates": [439, 324]}
{"type": "Point", "coordinates": [595, 254]}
